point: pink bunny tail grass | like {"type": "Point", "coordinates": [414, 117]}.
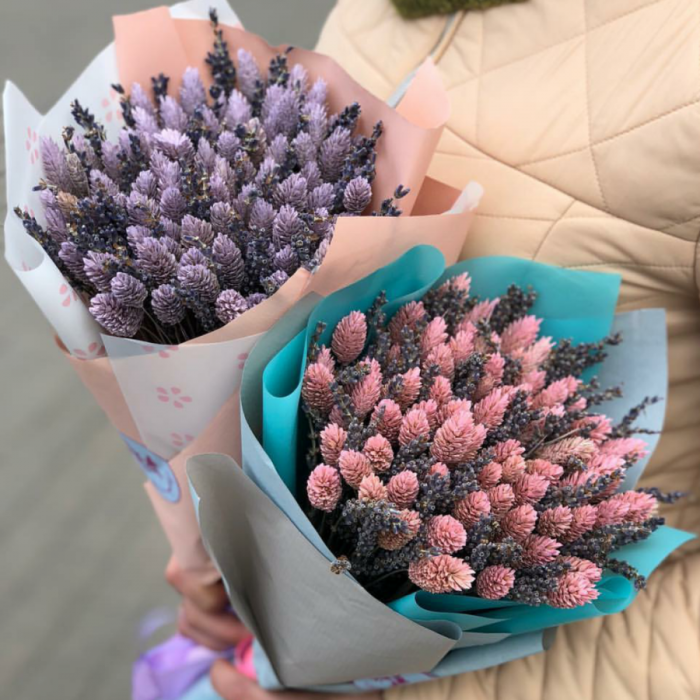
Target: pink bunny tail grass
{"type": "Point", "coordinates": [378, 451]}
{"type": "Point", "coordinates": [459, 283]}
{"type": "Point", "coordinates": [519, 523]}
{"type": "Point", "coordinates": [533, 381]}
{"type": "Point", "coordinates": [441, 391]}
{"type": "Point", "coordinates": [560, 452]}
{"type": "Point", "coordinates": [495, 582]}
{"type": "Point", "coordinates": [372, 489]}
{"type": "Point", "coordinates": [441, 355]}
{"type": "Point", "coordinates": [490, 475]}
{"type": "Point", "coordinates": [441, 469]}
{"type": "Point", "coordinates": [316, 387]}
{"type": "Point", "coordinates": [414, 425]}
{"type": "Point", "coordinates": [642, 506]}
{"type": "Point", "coordinates": [612, 512]}
{"type": "Point", "coordinates": [368, 390]}
{"type": "Point", "coordinates": [435, 334]}
{"type": "Point", "coordinates": [583, 566]}
{"type": "Point", "coordinates": [583, 521]}
{"type": "Point", "coordinates": [555, 522]}
{"type": "Point", "coordinates": [446, 533]}
{"type": "Point", "coordinates": [325, 358]}
{"type": "Point", "coordinates": [579, 405]}
{"type": "Point", "coordinates": [629, 448]}
{"type": "Point", "coordinates": [520, 334]}
{"type": "Point", "coordinates": [403, 489]}
{"type": "Point", "coordinates": [573, 590]}
{"type": "Point", "coordinates": [430, 408]}
{"type": "Point", "coordinates": [512, 468]}
{"type": "Point", "coordinates": [392, 541]}
{"type": "Point", "coordinates": [604, 465]}
{"type": "Point", "coordinates": [410, 388]}
{"type": "Point", "coordinates": [530, 488]}
{"type": "Point", "coordinates": [441, 574]}
{"type": "Point", "coordinates": [491, 409]}
{"type": "Point", "coordinates": [452, 408]}
{"type": "Point", "coordinates": [599, 426]}
{"type": "Point", "coordinates": [332, 442]}
{"type": "Point", "coordinates": [324, 488]}
{"type": "Point", "coordinates": [458, 439]}
{"type": "Point", "coordinates": [501, 498]}
{"type": "Point", "coordinates": [507, 448]}
{"type": "Point", "coordinates": [408, 316]}
{"type": "Point", "coordinates": [462, 343]}
{"type": "Point", "coordinates": [493, 375]}
{"type": "Point", "coordinates": [535, 356]}
{"type": "Point", "coordinates": [389, 423]}
{"type": "Point", "coordinates": [481, 312]}
{"type": "Point", "coordinates": [349, 337]}
{"type": "Point", "coordinates": [354, 467]}
{"type": "Point", "coordinates": [543, 468]}
{"type": "Point", "coordinates": [471, 508]}
{"type": "Point", "coordinates": [538, 549]}
{"type": "Point", "coordinates": [556, 393]}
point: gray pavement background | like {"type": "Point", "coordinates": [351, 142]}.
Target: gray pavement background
{"type": "Point", "coordinates": [81, 555]}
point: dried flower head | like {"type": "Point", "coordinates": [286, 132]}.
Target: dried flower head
{"type": "Point", "coordinates": [324, 488]}
{"type": "Point", "coordinates": [441, 574]}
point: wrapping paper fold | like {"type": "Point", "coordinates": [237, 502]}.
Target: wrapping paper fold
{"type": "Point", "coordinates": [318, 630]}
{"type": "Point", "coordinates": [170, 402]}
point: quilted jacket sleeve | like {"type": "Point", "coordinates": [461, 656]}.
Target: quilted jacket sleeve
{"type": "Point", "coordinates": [581, 118]}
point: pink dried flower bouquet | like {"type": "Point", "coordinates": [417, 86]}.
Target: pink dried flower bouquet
{"type": "Point", "coordinates": [454, 449]}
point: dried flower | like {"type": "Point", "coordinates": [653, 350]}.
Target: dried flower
{"type": "Point", "coordinates": [349, 337]}
{"type": "Point", "coordinates": [495, 582]}
{"type": "Point", "coordinates": [519, 523]}
{"type": "Point", "coordinates": [441, 574]}
{"type": "Point", "coordinates": [389, 418]}
{"type": "Point", "coordinates": [573, 590]}
{"type": "Point", "coordinates": [316, 387]}
{"type": "Point", "coordinates": [472, 508]}
{"type": "Point", "coordinates": [414, 426]}
{"type": "Point", "coordinates": [501, 498]}
{"type": "Point", "coordinates": [333, 439]}
{"type": "Point", "coordinates": [354, 467]}
{"type": "Point", "coordinates": [539, 549]}
{"type": "Point", "coordinates": [372, 489]}
{"type": "Point", "coordinates": [378, 451]}
{"type": "Point", "coordinates": [324, 488]}
{"type": "Point", "coordinates": [403, 489]}
{"type": "Point", "coordinates": [446, 534]}
{"type": "Point", "coordinates": [230, 305]}
{"type": "Point", "coordinates": [458, 439]}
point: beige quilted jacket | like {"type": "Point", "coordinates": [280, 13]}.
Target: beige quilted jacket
{"type": "Point", "coordinates": [581, 118]}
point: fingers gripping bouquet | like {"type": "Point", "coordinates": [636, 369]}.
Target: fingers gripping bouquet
{"type": "Point", "coordinates": [182, 211]}
{"type": "Point", "coordinates": [458, 480]}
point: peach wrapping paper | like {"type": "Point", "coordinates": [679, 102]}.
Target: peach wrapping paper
{"type": "Point", "coordinates": [179, 401]}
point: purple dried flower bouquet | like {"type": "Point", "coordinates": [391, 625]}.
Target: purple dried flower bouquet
{"type": "Point", "coordinates": [179, 218]}
{"type": "Point", "coordinates": [208, 201]}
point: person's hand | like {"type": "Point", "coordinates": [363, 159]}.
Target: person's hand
{"type": "Point", "coordinates": [204, 616]}
{"type": "Point", "coordinates": [232, 685]}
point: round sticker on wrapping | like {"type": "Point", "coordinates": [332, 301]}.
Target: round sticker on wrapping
{"type": "Point", "coordinates": [156, 469]}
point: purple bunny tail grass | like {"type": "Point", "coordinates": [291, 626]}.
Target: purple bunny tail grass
{"type": "Point", "coordinates": [128, 290]}
{"type": "Point", "coordinates": [116, 318]}
{"type": "Point", "coordinates": [167, 305]}
{"type": "Point", "coordinates": [193, 94]}
{"type": "Point", "coordinates": [229, 261]}
{"type": "Point", "coordinates": [357, 195]}
{"type": "Point", "coordinates": [230, 304]}
{"type": "Point", "coordinates": [249, 78]}
{"type": "Point", "coordinates": [55, 167]}
{"type": "Point", "coordinates": [333, 152]}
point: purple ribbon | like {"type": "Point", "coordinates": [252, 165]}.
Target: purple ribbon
{"type": "Point", "coordinates": [168, 670]}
